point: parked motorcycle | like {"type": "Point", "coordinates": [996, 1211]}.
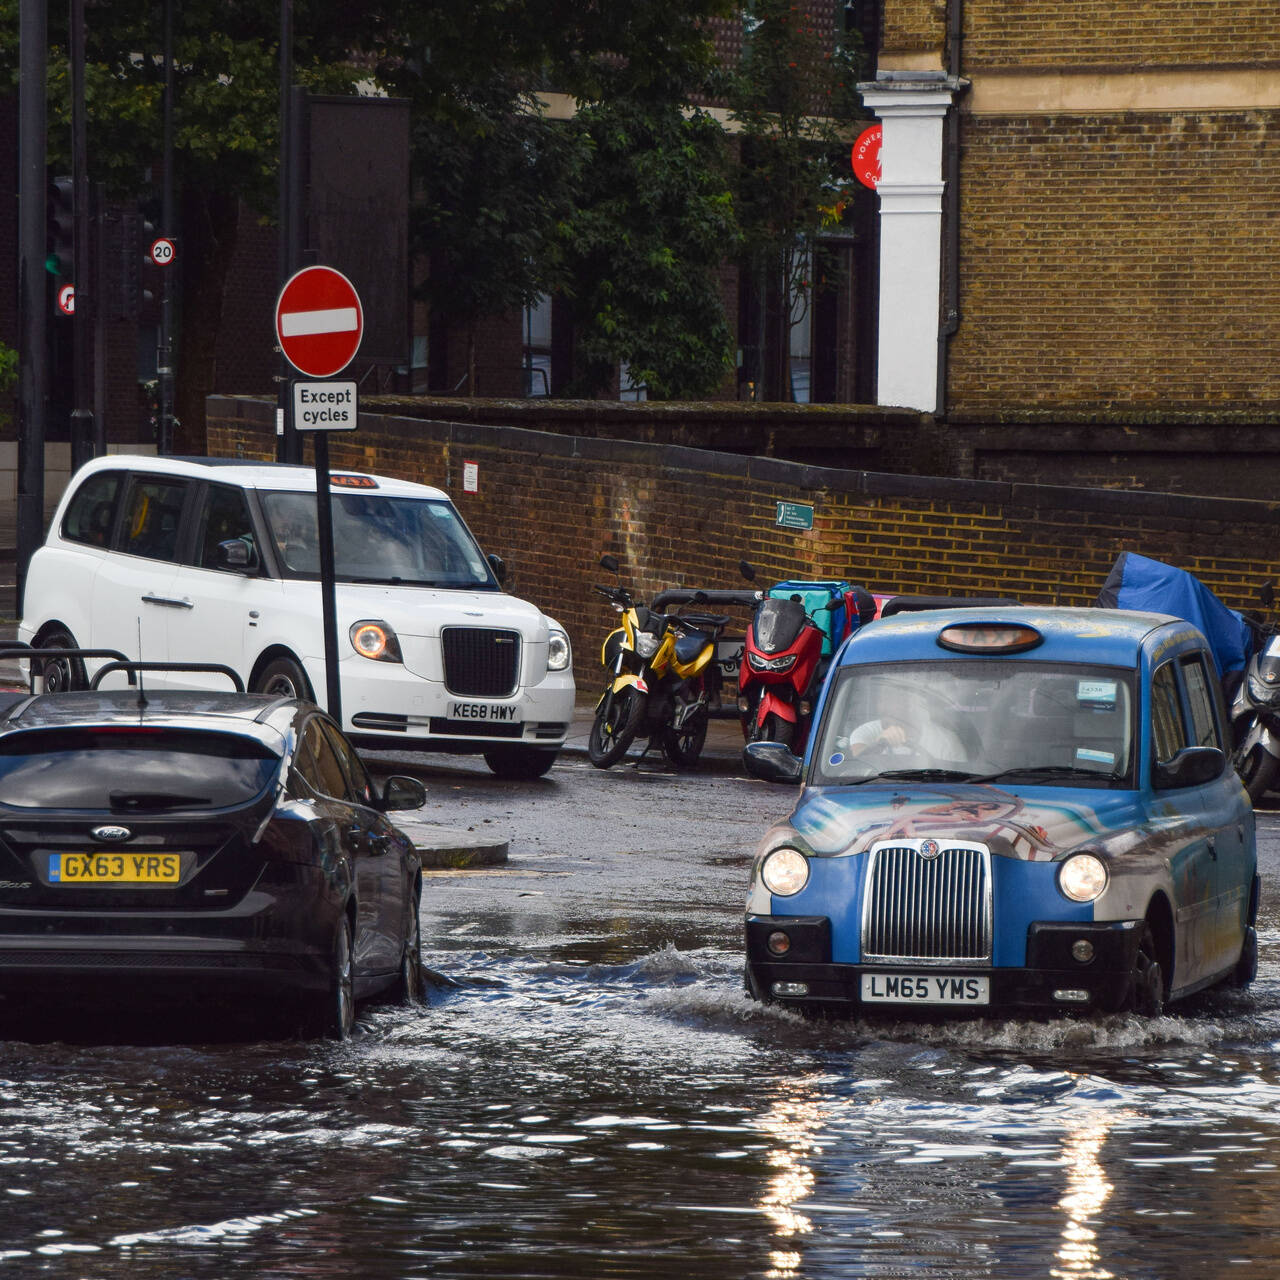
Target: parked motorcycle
{"type": "Point", "coordinates": [1255, 711]}
{"type": "Point", "coordinates": [784, 659]}
{"type": "Point", "coordinates": [662, 679]}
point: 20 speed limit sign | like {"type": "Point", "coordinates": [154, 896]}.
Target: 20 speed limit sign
{"type": "Point", "coordinates": [163, 251]}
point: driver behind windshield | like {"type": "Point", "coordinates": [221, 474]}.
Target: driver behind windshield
{"type": "Point", "coordinates": [901, 729]}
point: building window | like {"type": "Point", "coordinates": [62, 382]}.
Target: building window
{"type": "Point", "coordinates": [629, 390]}
{"type": "Point", "coordinates": [537, 348]}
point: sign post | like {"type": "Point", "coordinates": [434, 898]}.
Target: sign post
{"type": "Point", "coordinates": [319, 324]}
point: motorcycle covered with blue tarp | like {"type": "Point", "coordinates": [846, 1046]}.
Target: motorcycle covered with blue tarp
{"type": "Point", "coordinates": [1246, 653]}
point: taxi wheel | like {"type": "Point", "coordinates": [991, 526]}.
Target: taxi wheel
{"type": "Point", "coordinates": [282, 678]}
{"type": "Point", "coordinates": [335, 1009]}
{"type": "Point", "coordinates": [1146, 981]}
{"type": "Point", "coordinates": [753, 987]}
{"type": "Point", "coordinates": [519, 762]}
{"type": "Point", "coordinates": [62, 674]}
{"type": "Point", "coordinates": [1247, 966]}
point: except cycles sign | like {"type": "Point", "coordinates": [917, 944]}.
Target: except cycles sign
{"type": "Point", "coordinates": [325, 406]}
{"type": "Point", "coordinates": [319, 321]}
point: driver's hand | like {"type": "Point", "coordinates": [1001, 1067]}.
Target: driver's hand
{"type": "Point", "coordinates": [894, 735]}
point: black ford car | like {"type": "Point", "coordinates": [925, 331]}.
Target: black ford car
{"type": "Point", "coordinates": [202, 841]}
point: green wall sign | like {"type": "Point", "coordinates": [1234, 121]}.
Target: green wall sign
{"type": "Point", "coordinates": [794, 515]}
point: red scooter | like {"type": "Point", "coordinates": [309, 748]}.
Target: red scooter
{"type": "Point", "coordinates": [783, 664]}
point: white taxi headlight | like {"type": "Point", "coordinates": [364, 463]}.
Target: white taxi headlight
{"type": "Point", "coordinates": [559, 655]}
{"type": "Point", "coordinates": [1083, 877]}
{"type": "Point", "coordinates": [375, 640]}
{"type": "Point", "coordinates": [647, 644]}
{"type": "Point", "coordinates": [784, 872]}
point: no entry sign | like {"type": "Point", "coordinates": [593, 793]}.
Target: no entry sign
{"type": "Point", "coordinates": [319, 322]}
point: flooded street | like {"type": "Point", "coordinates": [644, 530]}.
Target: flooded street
{"type": "Point", "coordinates": [589, 1093]}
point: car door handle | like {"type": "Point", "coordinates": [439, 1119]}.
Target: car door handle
{"type": "Point", "coordinates": [168, 602]}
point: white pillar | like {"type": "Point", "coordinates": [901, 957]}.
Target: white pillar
{"type": "Point", "coordinates": [911, 112]}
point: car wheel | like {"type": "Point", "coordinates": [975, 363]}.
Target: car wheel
{"type": "Point", "coordinates": [683, 746]}
{"type": "Point", "coordinates": [62, 674]}
{"type": "Point", "coordinates": [282, 678]}
{"type": "Point", "coordinates": [616, 724]}
{"type": "Point", "coordinates": [1146, 979]}
{"type": "Point", "coordinates": [753, 987]}
{"type": "Point", "coordinates": [335, 1009]}
{"type": "Point", "coordinates": [519, 763]}
{"type": "Point", "coordinates": [409, 984]}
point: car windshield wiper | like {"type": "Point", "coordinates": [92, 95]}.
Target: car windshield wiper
{"type": "Point", "coordinates": [394, 581]}
{"type": "Point", "coordinates": [923, 775]}
{"type": "Point", "coordinates": [153, 799]}
{"type": "Point", "coordinates": [1050, 771]}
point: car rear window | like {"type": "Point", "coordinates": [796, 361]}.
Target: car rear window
{"type": "Point", "coordinates": [132, 769]}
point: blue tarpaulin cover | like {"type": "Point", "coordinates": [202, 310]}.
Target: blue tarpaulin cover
{"type": "Point", "coordinates": [1135, 582]}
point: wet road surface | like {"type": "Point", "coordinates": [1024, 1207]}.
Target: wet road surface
{"type": "Point", "coordinates": [589, 1093]}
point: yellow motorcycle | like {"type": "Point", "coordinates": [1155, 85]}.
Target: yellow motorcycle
{"type": "Point", "coordinates": [662, 680]}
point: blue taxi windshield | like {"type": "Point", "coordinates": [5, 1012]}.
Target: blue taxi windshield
{"type": "Point", "coordinates": [1053, 724]}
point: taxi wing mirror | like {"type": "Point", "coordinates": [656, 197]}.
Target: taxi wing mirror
{"type": "Point", "coordinates": [499, 567]}
{"type": "Point", "coordinates": [772, 762]}
{"type": "Point", "coordinates": [237, 554]}
{"type": "Point", "coordinates": [1191, 767]}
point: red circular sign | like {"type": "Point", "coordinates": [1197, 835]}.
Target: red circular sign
{"type": "Point", "coordinates": [67, 299]}
{"type": "Point", "coordinates": [319, 322]}
{"type": "Point", "coordinates": [866, 156]}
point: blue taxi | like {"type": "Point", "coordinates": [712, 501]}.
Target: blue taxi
{"type": "Point", "coordinates": [1008, 809]}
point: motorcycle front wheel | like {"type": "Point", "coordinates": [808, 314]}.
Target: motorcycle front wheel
{"type": "Point", "coordinates": [1257, 768]}
{"type": "Point", "coordinates": [773, 729]}
{"type": "Point", "coordinates": [617, 722]}
{"type": "Point", "coordinates": [683, 746]}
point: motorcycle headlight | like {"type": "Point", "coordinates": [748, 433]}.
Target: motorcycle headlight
{"type": "Point", "coordinates": [785, 872]}
{"type": "Point", "coordinates": [1082, 877]}
{"type": "Point", "coordinates": [375, 640]}
{"type": "Point", "coordinates": [784, 663]}
{"type": "Point", "coordinates": [647, 644]}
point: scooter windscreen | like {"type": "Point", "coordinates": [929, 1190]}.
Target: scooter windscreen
{"type": "Point", "coordinates": [777, 624]}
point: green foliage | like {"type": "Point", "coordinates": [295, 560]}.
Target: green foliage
{"type": "Point", "coordinates": [643, 247]}
{"type": "Point", "coordinates": [8, 368]}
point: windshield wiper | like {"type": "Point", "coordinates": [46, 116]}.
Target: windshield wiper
{"type": "Point", "coordinates": [361, 580]}
{"type": "Point", "coordinates": [153, 799]}
{"type": "Point", "coordinates": [923, 775]}
{"type": "Point", "coordinates": [1049, 771]}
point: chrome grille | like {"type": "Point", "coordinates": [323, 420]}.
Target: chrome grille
{"type": "Point", "coordinates": [481, 662]}
{"type": "Point", "coordinates": [935, 910]}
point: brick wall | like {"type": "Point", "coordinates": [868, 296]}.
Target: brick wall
{"type": "Point", "coordinates": [1100, 33]}
{"type": "Point", "coordinates": [552, 504]}
{"type": "Point", "coordinates": [1122, 260]}
{"type": "Point", "coordinates": [911, 26]}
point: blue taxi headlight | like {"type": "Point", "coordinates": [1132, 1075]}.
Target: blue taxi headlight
{"type": "Point", "coordinates": [784, 872]}
{"type": "Point", "coordinates": [1082, 878]}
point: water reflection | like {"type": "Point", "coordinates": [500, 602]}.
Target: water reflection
{"type": "Point", "coordinates": [793, 1123]}
{"type": "Point", "coordinates": [1088, 1190]}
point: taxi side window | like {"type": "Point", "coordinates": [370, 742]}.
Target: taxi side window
{"type": "Point", "coordinates": [153, 510]}
{"type": "Point", "coordinates": [91, 515]}
{"type": "Point", "coordinates": [318, 763]}
{"type": "Point", "coordinates": [1168, 734]}
{"type": "Point", "coordinates": [1204, 725]}
{"type": "Point", "coordinates": [224, 516]}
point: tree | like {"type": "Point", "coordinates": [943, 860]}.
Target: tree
{"type": "Point", "coordinates": [226, 131]}
{"type": "Point", "coordinates": [794, 94]}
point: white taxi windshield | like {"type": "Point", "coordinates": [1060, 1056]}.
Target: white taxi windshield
{"type": "Point", "coordinates": [996, 721]}
{"type": "Point", "coordinates": [378, 538]}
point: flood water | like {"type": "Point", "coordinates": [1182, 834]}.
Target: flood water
{"type": "Point", "coordinates": [586, 1097]}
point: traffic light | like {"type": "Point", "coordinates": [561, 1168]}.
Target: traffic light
{"type": "Point", "coordinates": [60, 229]}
